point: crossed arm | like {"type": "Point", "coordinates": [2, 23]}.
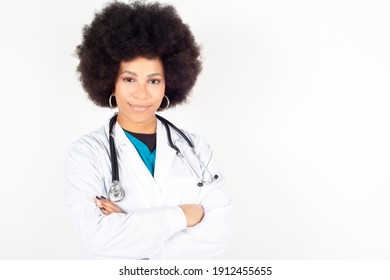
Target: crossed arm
{"type": "Point", "coordinates": [194, 213]}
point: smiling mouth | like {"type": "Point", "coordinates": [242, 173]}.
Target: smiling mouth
{"type": "Point", "coordinates": [140, 108]}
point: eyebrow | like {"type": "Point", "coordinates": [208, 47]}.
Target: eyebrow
{"type": "Point", "coordinates": [135, 74]}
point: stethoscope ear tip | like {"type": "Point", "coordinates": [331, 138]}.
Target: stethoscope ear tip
{"type": "Point", "coordinates": [200, 184]}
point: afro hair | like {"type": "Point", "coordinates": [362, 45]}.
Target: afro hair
{"type": "Point", "coordinates": [122, 32]}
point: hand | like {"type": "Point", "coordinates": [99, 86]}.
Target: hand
{"type": "Point", "coordinates": [107, 206]}
{"type": "Point", "coordinates": [194, 213]}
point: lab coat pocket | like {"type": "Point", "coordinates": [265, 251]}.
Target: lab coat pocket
{"type": "Point", "coordinates": [181, 190]}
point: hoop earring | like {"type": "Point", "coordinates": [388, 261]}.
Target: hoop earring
{"type": "Point", "coordinates": [110, 102]}
{"type": "Point", "coordinates": [168, 103]}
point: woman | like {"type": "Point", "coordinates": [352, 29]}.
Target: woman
{"type": "Point", "coordinates": [142, 58]}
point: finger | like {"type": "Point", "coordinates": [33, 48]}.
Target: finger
{"type": "Point", "coordinates": [111, 208]}
{"type": "Point", "coordinates": [106, 203]}
{"type": "Point", "coordinates": [105, 211]}
{"type": "Point", "coordinates": [103, 202]}
{"type": "Point", "coordinates": [103, 205]}
{"type": "Point", "coordinates": [109, 205]}
{"type": "Point", "coordinates": [98, 202]}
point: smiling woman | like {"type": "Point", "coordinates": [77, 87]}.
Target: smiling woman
{"type": "Point", "coordinates": [170, 201]}
{"type": "Point", "coordinates": [139, 90]}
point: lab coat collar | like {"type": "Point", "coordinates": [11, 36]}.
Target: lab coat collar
{"type": "Point", "coordinates": [164, 153]}
{"type": "Point", "coordinates": [121, 138]}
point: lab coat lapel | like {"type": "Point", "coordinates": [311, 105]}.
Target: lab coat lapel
{"type": "Point", "coordinates": [164, 155]}
{"type": "Point", "coordinates": [130, 157]}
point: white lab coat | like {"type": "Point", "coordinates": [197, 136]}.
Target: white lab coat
{"type": "Point", "coordinates": [153, 225]}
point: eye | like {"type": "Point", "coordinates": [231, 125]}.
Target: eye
{"type": "Point", "coordinates": [128, 79]}
{"type": "Point", "coordinates": [154, 81]}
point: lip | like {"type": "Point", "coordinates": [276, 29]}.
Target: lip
{"type": "Point", "coordinates": [139, 107]}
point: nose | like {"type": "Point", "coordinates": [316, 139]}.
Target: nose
{"type": "Point", "coordinates": [140, 92]}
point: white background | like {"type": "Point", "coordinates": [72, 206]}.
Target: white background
{"type": "Point", "coordinates": [294, 98]}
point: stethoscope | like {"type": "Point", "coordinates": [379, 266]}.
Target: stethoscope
{"type": "Point", "coordinates": [116, 192]}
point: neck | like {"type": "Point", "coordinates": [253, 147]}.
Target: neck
{"type": "Point", "coordinates": [144, 127]}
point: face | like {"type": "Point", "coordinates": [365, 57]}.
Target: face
{"type": "Point", "coordinates": [139, 90]}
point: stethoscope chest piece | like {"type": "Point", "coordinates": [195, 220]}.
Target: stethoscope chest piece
{"type": "Point", "coordinates": [116, 192]}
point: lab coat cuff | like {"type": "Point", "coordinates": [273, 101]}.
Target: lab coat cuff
{"type": "Point", "coordinates": [180, 221]}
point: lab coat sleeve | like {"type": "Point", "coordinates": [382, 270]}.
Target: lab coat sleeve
{"type": "Point", "coordinates": [134, 235]}
{"type": "Point", "coordinates": [213, 234]}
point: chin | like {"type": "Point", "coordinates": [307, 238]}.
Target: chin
{"type": "Point", "coordinates": [139, 117]}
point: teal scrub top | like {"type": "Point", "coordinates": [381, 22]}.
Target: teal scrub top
{"type": "Point", "coordinates": [148, 157]}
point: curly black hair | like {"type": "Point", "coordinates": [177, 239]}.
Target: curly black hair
{"type": "Point", "coordinates": [121, 32]}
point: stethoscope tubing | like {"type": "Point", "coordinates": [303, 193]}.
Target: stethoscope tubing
{"type": "Point", "coordinates": [114, 159]}
{"type": "Point", "coordinates": [167, 124]}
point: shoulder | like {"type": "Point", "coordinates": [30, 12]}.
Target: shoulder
{"type": "Point", "coordinates": [202, 148]}
{"type": "Point", "coordinates": [196, 139]}
{"type": "Point", "coordinates": [90, 144]}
